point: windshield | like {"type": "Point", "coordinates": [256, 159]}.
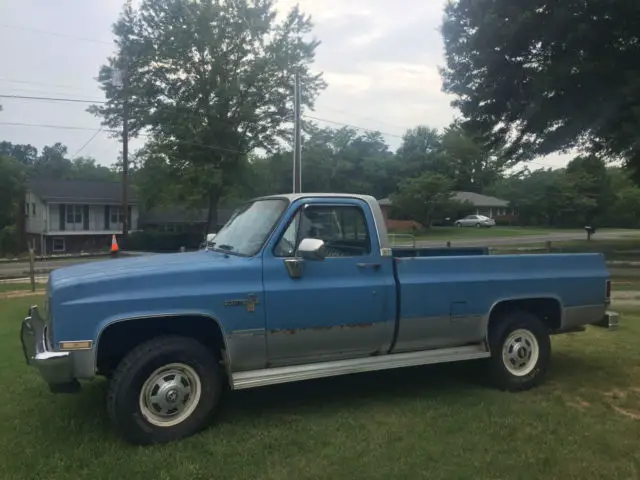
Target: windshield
{"type": "Point", "coordinates": [246, 231]}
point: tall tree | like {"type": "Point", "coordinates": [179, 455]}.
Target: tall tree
{"type": "Point", "coordinates": [425, 197]}
{"type": "Point", "coordinates": [471, 166]}
{"type": "Point", "coordinates": [419, 152]}
{"type": "Point", "coordinates": [212, 81]}
{"type": "Point", "coordinates": [547, 76]}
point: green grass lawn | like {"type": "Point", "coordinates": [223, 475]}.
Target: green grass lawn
{"type": "Point", "coordinates": [434, 422]}
{"type": "Point", "coordinates": [12, 287]}
{"type": "Point", "coordinates": [454, 233]}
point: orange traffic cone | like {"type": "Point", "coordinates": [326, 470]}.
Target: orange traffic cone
{"type": "Point", "coordinates": [114, 245]}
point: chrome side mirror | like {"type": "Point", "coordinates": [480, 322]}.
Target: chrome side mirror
{"type": "Point", "coordinates": [312, 249]}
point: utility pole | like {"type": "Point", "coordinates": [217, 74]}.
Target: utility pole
{"type": "Point", "coordinates": [297, 147]}
{"type": "Point", "coordinates": [120, 79]}
{"type": "Point", "coordinates": [125, 154]}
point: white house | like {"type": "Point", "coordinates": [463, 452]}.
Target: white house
{"type": "Point", "coordinates": [74, 215]}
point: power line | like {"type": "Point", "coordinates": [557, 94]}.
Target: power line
{"type": "Point", "coordinates": [87, 129]}
{"type": "Point", "coordinates": [54, 34]}
{"type": "Point", "coordinates": [370, 130]}
{"type": "Point", "coordinates": [57, 127]}
{"type": "Point", "coordinates": [39, 84]}
{"type": "Point", "coordinates": [51, 99]}
{"type": "Point", "coordinates": [87, 142]}
{"type": "Point", "coordinates": [77, 100]}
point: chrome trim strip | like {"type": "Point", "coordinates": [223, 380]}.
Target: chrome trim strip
{"type": "Point", "coordinates": [249, 332]}
{"type": "Point", "coordinates": [273, 376]}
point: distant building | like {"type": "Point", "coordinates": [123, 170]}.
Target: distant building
{"type": "Point", "coordinates": [74, 215]}
{"type": "Point", "coordinates": [482, 205]}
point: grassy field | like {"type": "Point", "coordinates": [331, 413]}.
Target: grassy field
{"type": "Point", "coordinates": [613, 249]}
{"type": "Point", "coordinates": [14, 287]}
{"type": "Point", "coordinates": [436, 422]}
{"type": "Point", "coordinates": [454, 233]}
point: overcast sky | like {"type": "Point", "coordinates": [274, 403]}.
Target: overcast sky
{"type": "Point", "coordinates": [380, 59]}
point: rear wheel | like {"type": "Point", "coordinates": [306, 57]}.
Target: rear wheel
{"type": "Point", "coordinates": [521, 351]}
{"type": "Point", "coordinates": [165, 389]}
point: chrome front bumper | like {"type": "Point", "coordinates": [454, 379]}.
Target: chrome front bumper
{"type": "Point", "coordinates": [56, 368]}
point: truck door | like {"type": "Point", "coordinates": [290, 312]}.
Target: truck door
{"type": "Point", "coordinates": [339, 307]}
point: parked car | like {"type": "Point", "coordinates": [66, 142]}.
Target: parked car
{"type": "Point", "coordinates": [296, 287]}
{"type": "Point", "coordinates": [477, 221]}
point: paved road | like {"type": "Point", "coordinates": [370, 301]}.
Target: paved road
{"type": "Point", "coordinates": [21, 269]}
{"type": "Point", "coordinates": [526, 239]}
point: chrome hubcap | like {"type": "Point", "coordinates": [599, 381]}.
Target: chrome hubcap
{"type": "Point", "coordinates": [170, 395]}
{"type": "Point", "coordinates": [520, 352]}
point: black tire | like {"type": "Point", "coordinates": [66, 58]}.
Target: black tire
{"type": "Point", "coordinates": [499, 333]}
{"type": "Point", "coordinates": [124, 392]}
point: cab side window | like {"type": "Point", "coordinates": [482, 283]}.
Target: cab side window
{"type": "Point", "coordinates": [343, 229]}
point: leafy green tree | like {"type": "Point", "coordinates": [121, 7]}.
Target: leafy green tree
{"type": "Point", "coordinates": [547, 76]}
{"type": "Point", "coordinates": [424, 197]}
{"type": "Point", "coordinates": [25, 154]}
{"type": "Point", "coordinates": [420, 152]}
{"type": "Point", "coordinates": [211, 81]}
{"type": "Point", "coordinates": [472, 167]}
{"type": "Point", "coordinates": [12, 177]}
{"type": "Point", "coordinates": [588, 179]}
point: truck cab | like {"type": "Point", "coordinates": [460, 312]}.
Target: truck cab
{"type": "Point", "coordinates": [296, 287]}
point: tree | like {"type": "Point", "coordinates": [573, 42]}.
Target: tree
{"type": "Point", "coordinates": [547, 76]}
{"type": "Point", "coordinates": [422, 198]}
{"type": "Point", "coordinates": [419, 152]}
{"type": "Point", "coordinates": [212, 81]}
{"type": "Point", "coordinates": [472, 167]}
{"type": "Point", "coordinates": [12, 176]}
{"type": "Point", "coordinates": [588, 178]}
{"type": "Point", "coordinates": [25, 154]}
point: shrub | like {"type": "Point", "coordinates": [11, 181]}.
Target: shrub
{"type": "Point", "coordinates": [152, 241]}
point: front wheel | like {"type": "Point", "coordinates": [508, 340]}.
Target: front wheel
{"type": "Point", "coordinates": [521, 351]}
{"type": "Point", "coordinates": [163, 390]}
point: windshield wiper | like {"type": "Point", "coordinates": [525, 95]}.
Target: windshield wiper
{"type": "Point", "coordinates": [224, 247]}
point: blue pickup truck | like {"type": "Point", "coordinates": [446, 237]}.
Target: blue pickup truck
{"type": "Point", "coordinates": [297, 287]}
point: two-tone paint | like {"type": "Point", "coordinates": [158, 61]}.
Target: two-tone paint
{"type": "Point", "coordinates": [342, 309]}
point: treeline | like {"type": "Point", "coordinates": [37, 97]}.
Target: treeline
{"type": "Point", "coordinates": [420, 177]}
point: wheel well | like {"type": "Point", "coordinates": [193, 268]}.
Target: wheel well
{"type": "Point", "coordinates": [120, 338]}
{"type": "Point", "coordinates": [548, 310]}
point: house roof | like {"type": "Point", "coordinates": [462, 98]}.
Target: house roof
{"type": "Point", "coordinates": [181, 215]}
{"type": "Point", "coordinates": [479, 200]}
{"type": "Point", "coordinates": [87, 191]}
{"type": "Point", "coordinates": [476, 199]}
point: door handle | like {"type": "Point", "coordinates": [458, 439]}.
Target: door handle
{"type": "Point", "coordinates": [374, 266]}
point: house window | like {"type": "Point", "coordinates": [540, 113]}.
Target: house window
{"type": "Point", "coordinates": [33, 209]}
{"type": "Point", "coordinates": [26, 209]}
{"type": "Point", "coordinates": [116, 214]}
{"type": "Point", "coordinates": [58, 244]}
{"type": "Point", "coordinates": [74, 213]}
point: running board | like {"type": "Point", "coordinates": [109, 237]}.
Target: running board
{"type": "Point", "coordinates": [273, 376]}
